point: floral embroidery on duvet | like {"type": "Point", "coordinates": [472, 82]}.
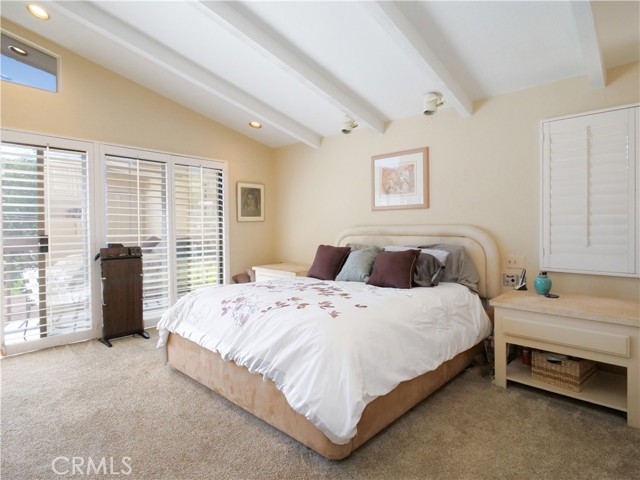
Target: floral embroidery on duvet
{"type": "Point", "coordinates": [247, 305]}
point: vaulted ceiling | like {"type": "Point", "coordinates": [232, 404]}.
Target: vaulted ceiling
{"type": "Point", "coordinates": [300, 67]}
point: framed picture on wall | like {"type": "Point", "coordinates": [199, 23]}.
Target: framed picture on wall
{"type": "Point", "coordinates": [400, 180]}
{"type": "Point", "coordinates": [250, 202]}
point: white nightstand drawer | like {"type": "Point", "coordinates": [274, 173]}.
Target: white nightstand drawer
{"type": "Point", "coordinates": [271, 275]}
{"type": "Point", "coordinates": [280, 270]}
{"type": "Point", "coordinates": [595, 341]}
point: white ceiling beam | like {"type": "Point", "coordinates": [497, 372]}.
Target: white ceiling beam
{"type": "Point", "coordinates": [591, 51]}
{"type": "Point", "coordinates": [139, 43]}
{"type": "Point", "coordinates": [242, 23]}
{"type": "Point", "coordinates": [406, 35]}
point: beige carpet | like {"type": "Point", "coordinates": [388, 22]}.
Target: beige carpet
{"type": "Point", "coordinates": [93, 403]}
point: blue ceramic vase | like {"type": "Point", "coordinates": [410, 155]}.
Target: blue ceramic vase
{"type": "Point", "coordinates": [542, 283]}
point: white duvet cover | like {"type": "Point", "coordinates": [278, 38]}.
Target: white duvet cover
{"type": "Point", "coordinates": [330, 347]}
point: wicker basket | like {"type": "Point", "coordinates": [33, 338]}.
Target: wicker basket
{"type": "Point", "coordinates": [558, 370]}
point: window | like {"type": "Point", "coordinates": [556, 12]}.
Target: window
{"type": "Point", "coordinates": [590, 183]}
{"type": "Point", "coordinates": [46, 286]}
{"type": "Point", "coordinates": [62, 200]}
{"type": "Point", "coordinates": [136, 208]}
{"type": "Point", "coordinates": [23, 63]}
{"type": "Point", "coordinates": [145, 192]}
{"type": "Point", "coordinates": [199, 201]}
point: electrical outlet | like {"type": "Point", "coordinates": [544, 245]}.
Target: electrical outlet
{"type": "Point", "coordinates": [516, 261]}
{"type": "Point", "coordinates": [509, 279]}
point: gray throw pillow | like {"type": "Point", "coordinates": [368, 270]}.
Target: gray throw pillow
{"type": "Point", "coordinates": [358, 266]}
{"type": "Point", "coordinates": [459, 267]}
{"type": "Point", "coordinates": [428, 272]}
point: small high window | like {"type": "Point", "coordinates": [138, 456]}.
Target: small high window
{"type": "Point", "coordinates": [27, 65]}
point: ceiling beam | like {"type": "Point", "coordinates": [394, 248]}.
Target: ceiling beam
{"type": "Point", "coordinates": [241, 22]}
{"type": "Point", "coordinates": [110, 27]}
{"type": "Point", "coordinates": [407, 36]}
{"type": "Point", "coordinates": [591, 51]}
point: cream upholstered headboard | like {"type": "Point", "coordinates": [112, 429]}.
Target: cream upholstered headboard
{"type": "Point", "coordinates": [477, 243]}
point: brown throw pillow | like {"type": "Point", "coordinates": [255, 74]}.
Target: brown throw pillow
{"type": "Point", "coordinates": [394, 269]}
{"type": "Point", "coordinates": [328, 262]}
{"type": "Point", "coordinates": [241, 278]}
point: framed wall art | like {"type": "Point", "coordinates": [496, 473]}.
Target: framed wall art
{"type": "Point", "coordinates": [400, 180]}
{"type": "Point", "coordinates": [250, 202]}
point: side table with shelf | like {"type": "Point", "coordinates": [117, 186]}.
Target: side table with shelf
{"type": "Point", "coordinates": [279, 270]}
{"type": "Point", "coordinates": [605, 330]}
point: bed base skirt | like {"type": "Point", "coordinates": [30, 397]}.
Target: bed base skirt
{"type": "Point", "coordinates": [265, 401]}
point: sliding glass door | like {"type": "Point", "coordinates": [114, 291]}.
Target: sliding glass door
{"type": "Point", "coordinates": [199, 226]}
{"type": "Point", "coordinates": [137, 215]}
{"type": "Point", "coordinates": [63, 199]}
{"type": "Point", "coordinates": [46, 288]}
{"type": "Point", "coordinates": [145, 193]}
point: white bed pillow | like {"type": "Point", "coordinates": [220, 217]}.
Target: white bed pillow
{"type": "Point", "coordinates": [440, 254]}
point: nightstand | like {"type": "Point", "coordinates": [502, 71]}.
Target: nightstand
{"type": "Point", "coordinates": [605, 330]}
{"type": "Point", "coordinates": [280, 270]}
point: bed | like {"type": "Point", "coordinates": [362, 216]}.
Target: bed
{"type": "Point", "coordinates": [213, 365]}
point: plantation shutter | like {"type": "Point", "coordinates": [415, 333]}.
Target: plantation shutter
{"type": "Point", "coordinates": [199, 227]}
{"type": "Point", "coordinates": [590, 199]}
{"type": "Point", "coordinates": [45, 243]}
{"type": "Point", "coordinates": [136, 207]}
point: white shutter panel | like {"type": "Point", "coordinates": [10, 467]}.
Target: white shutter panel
{"type": "Point", "coordinates": [199, 227]}
{"type": "Point", "coordinates": [45, 242]}
{"type": "Point", "coordinates": [136, 204]}
{"type": "Point", "coordinates": [589, 194]}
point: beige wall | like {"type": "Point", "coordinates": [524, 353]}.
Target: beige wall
{"type": "Point", "coordinates": [96, 104]}
{"type": "Point", "coordinates": [483, 171]}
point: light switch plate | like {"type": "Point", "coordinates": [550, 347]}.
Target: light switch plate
{"type": "Point", "coordinates": [516, 261]}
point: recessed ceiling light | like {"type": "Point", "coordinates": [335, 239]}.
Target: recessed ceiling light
{"type": "Point", "coordinates": [255, 124]}
{"type": "Point", "coordinates": [18, 50]}
{"type": "Point", "coordinates": [38, 11]}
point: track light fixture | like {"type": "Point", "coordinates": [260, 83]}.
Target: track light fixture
{"type": "Point", "coordinates": [348, 124]}
{"type": "Point", "coordinates": [432, 101]}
